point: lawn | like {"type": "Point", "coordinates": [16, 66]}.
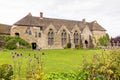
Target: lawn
{"type": "Point", "coordinates": [54, 60]}
{"type": "Point", "coordinates": [65, 60]}
{"type": "Point", "coordinates": [61, 60]}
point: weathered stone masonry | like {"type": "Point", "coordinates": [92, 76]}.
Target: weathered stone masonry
{"type": "Point", "coordinates": [50, 33]}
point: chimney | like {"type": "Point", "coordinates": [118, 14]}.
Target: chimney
{"type": "Point", "coordinates": [41, 15]}
{"type": "Point", "coordinates": [95, 21]}
{"type": "Point", "coordinates": [84, 21]}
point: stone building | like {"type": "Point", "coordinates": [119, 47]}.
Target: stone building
{"type": "Point", "coordinates": [54, 33]}
{"type": "Point", "coordinates": [115, 42]}
{"type": "Point", "coordinates": [5, 29]}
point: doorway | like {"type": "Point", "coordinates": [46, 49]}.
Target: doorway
{"type": "Point", "coordinates": [34, 45]}
{"type": "Point", "coordinates": [86, 43]}
{"type": "Point", "coordinates": [17, 34]}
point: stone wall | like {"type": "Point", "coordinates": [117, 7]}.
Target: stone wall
{"type": "Point", "coordinates": [42, 42]}
{"type": "Point", "coordinates": [98, 34]}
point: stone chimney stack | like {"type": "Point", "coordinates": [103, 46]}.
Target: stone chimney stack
{"type": "Point", "coordinates": [84, 21]}
{"type": "Point", "coordinates": [41, 15]}
{"type": "Point", "coordinates": [95, 21]}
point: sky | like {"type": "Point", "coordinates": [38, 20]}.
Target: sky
{"type": "Point", "coordinates": [105, 12]}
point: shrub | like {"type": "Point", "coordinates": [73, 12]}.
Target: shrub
{"type": "Point", "coordinates": [77, 46]}
{"type": "Point", "coordinates": [65, 47]}
{"type": "Point", "coordinates": [82, 75]}
{"type": "Point", "coordinates": [22, 42]}
{"type": "Point", "coordinates": [60, 76]}
{"type": "Point", "coordinates": [2, 42]}
{"type": "Point", "coordinates": [6, 38]}
{"type": "Point", "coordinates": [34, 68]}
{"type": "Point", "coordinates": [102, 67]}
{"type": "Point", "coordinates": [103, 41]}
{"type": "Point", "coordinates": [68, 45]}
{"type": "Point", "coordinates": [6, 72]}
{"type": "Point", "coordinates": [11, 44]}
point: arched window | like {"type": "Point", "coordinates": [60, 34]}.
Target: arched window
{"type": "Point", "coordinates": [76, 37]}
{"type": "Point", "coordinates": [39, 34]}
{"type": "Point", "coordinates": [36, 34]}
{"type": "Point", "coordinates": [28, 31]}
{"type": "Point", "coordinates": [50, 37]}
{"type": "Point", "coordinates": [63, 37]}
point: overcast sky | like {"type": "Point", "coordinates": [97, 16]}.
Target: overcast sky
{"type": "Point", "coordinates": [106, 12]}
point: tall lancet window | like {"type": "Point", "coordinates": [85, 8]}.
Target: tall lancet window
{"type": "Point", "coordinates": [50, 37]}
{"type": "Point", "coordinates": [28, 31]}
{"type": "Point", "coordinates": [76, 38]}
{"type": "Point", "coordinates": [63, 37]}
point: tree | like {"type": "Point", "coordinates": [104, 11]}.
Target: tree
{"type": "Point", "coordinates": [104, 40]}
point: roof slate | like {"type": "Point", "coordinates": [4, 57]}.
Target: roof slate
{"type": "Point", "coordinates": [30, 20]}
{"type": "Point", "coordinates": [5, 29]}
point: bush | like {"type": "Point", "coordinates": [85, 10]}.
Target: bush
{"type": "Point", "coordinates": [68, 45]}
{"type": "Point", "coordinates": [77, 46]}
{"type": "Point", "coordinates": [6, 72]}
{"type": "Point", "coordinates": [102, 67]}
{"type": "Point", "coordinates": [65, 47]}
{"type": "Point", "coordinates": [11, 44]}
{"type": "Point", "coordinates": [22, 42]}
{"type": "Point", "coordinates": [82, 75]}
{"type": "Point", "coordinates": [104, 40]}
{"type": "Point", "coordinates": [60, 76]}
{"type": "Point", "coordinates": [6, 38]}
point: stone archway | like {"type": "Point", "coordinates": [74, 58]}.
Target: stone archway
{"type": "Point", "coordinates": [17, 34]}
{"type": "Point", "coordinates": [34, 45]}
{"type": "Point", "coordinates": [86, 43]}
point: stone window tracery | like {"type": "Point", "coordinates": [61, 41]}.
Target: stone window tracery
{"type": "Point", "coordinates": [28, 31]}
{"type": "Point", "coordinates": [50, 37]}
{"type": "Point", "coordinates": [63, 37]}
{"type": "Point", "coordinates": [39, 34]}
{"type": "Point", "coordinates": [76, 37]}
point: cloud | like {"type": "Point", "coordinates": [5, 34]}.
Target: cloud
{"type": "Point", "coordinates": [106, 12]}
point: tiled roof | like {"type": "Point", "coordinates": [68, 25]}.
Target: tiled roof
{"type": "Point", "coordinates": [30, 20]}
{"type": "Point", "coordinates": [5, 29]}
{"type": "Point", "coordinates": [94, 26]}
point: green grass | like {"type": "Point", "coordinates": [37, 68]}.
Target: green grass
{"type": "Point", "coordinates": [61, 60]}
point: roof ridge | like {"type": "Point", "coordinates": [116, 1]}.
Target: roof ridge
{"type": "Point", "coordinates": [57, 19]}
{"type": "Point", "coordinates": [30, 20]}
{"type": "Point", "coordinates": [5, 24]}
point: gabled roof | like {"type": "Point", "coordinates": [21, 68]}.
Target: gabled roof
{"type": "Point", "coordinates": [94, 26]}
{"type": "Point", "coordinates": [5, 29]}
{"type": "Point", "coordinates": [30, 20]}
